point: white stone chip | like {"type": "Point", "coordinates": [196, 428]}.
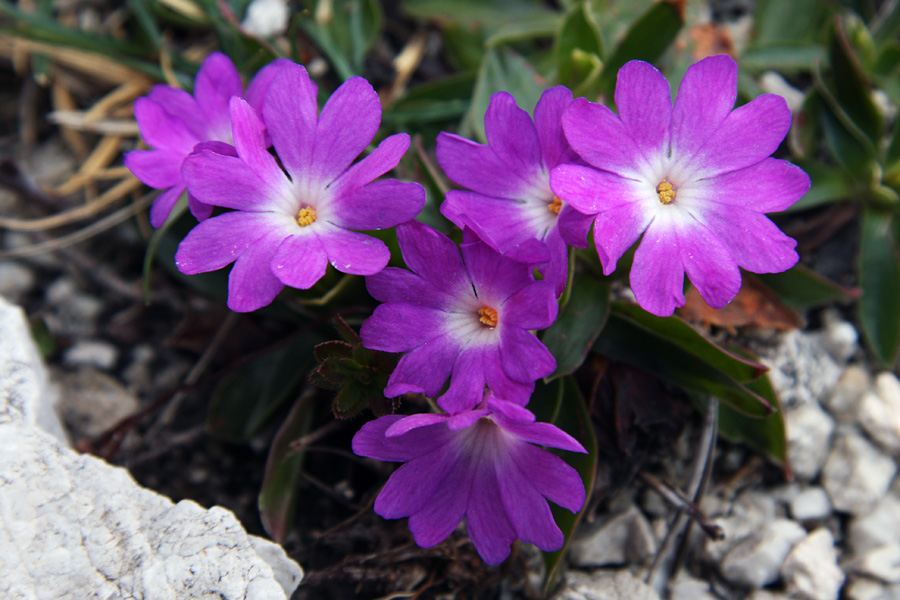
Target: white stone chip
{"type": "Point", "coordinates": [266, 18]}
{"type": "Point", "coordinates": [879, 412]}
{"type": "Point", "coordinates": [876, 527]}
{"type": "Point", "coordinates": [856, 474]}
{"type": "Point", "coordinates": [883, 563]}
{"type": "Point", "coordinates": [809, 430]}
{"type": "Point", "coordinates": [626, 537]}
{"type": "Point", "coordinates": [811, 504]}
{"type": "Point", "coordinates": [811, 571]}
{"type": "Point", "coordinates": [756, 561]}
{"type": "Point", "coordinates": [802, 370]}
{"type": "Point", "coordinates": [605, 585]}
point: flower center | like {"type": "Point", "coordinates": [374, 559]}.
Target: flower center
{"type": "Point", "coordinates": [666, 192]}
{"type": "Point", "coordinates": [555, 205]}
{"type": "Point", "coordinates": [306, 216]}
{"type": "Point", "coordinates": [488, 316]}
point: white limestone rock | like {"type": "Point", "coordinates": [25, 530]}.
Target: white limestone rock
{"type": "Point", "coordinates": [844, 401]}
{"type": "Point", "coordinates": [811, 504]}
{"type": "Point", "coordinates": [626, 537]}
{"type": "Point", "coordinates": [91, 353]}
{"type": "Point", "coordinates": [810, 571]}
{"type": "Point", "coordinates": [856, 474]}
{"type": "Point", "coordinates": [93, 402]}
{"type": "Point", "coordinates": [879, 412]}
{"type": "Point", "coordinates": [605, 585]}
{"type": "Point", "coordinates": [802, 370]}
{"type": "Point", "coordinates": [686, 587]}
{"type": "Point", "coordinates": [868, 589]}
{"type": "Point", "coordinates": [756, 561]}
{"type": "Point", "coordinates": [882, 563]}
{"type": "Point", "coordinates": [877, 527]}
{"type": "Point", "coordinates": [809, 430]}
{"type": "Point", "coordinates": [266, 18]}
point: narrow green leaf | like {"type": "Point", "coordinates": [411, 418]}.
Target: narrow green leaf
{"type": "Point", "coordinates": [579, 323]}
{"type": "Point", "coordinates": [488, 13]}
{"type": "Point", "coordinates": [800, 287]}
{"type": "Point", "coordinates": [828, 185]}
{"type": "Point", "coordinates": [777, 22]}
{"type": "Point", "coordinates": [787, 59]}
{"type": "Point", "coordinates": [579, 33]}
{"type": "Point", "coordinates": [886, 25]}
{"type": "Point", "coordinates": [891, 163]}
{"type": "Point", "coordinates": [879, 278]}
{"type": "Point", "coordinates": [562, 404]}
{"type": "Point", "coordinates": [647, 39]}
{"type": "Point", "coordinates": [767, 435]}
{"type": "Point", "coordinates": [626, 340]}
{"type": "Point", "coordinates": [851, 87]}
{"type": "Point", "coordinates": [251, 394]}
{"type": "Point", "coordinates": [278, 495]}
{"type": "Point", "coordinates": [146, 20]}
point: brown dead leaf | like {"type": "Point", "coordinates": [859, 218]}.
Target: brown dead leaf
{"type": "Point", "coordinates": [754, 306]}
{"type": "Point", "coordinates": [711, 39]}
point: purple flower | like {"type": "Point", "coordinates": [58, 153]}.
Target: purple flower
{"type": "Point", "coordinates": [287, 226]}
{"type": "Point", "coordinates": [465, 318]}
{"type": "Point", "coordinates": [694, 179]}
{"type": "Point", "coordinates": [173, 122]}
{"type": "Point", "coordinates": [511, 206]}
{"type": "Point", "coordinates": [480, 465]}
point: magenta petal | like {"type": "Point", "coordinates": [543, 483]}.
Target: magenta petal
{"type": "Point", "coordinates": [217, 81]}
{"type": "Point", "coordinates": [163, 205]}
{"type": "Point", "coordinates": [466, 383]}
{"type": "Point", "coordinates": [644, 104]}
{"type": "Point", "coordinates": [616, 230]}
{"type": "Point", "coordinates": [573, 226]}
{"type": "Point", "coordinates": [551, 476]}
{"type": "Point", "coordinates": [532, 307]}
{"type": "Point", "coordinates": [200, 210]}
{"type": "Point", "coordinates": [556, 271]}
{"type": "Point", "coordinates": [770, 185]}
{"type": "Point", "coordinates": [228, 181]}
{"type": "Point", "coordinates": [523, 356]}
{"type": "Point", "coordinates": [511, 135]}
{"type": "Point", "coordinates": [754, 241]}
{"type": "Point", "coordinates": [477, 167]}
{"type": "Point", "coordinates": [424, 369]}
{"type": "Point", "coordinates": [431, 255]}
{"type": "Point", "coordinates": [161, 130]}
{"type": "Point", "coordinates": [748, 135]}
{"type": "Point", "coordinates": [182, 106]}
{"type": "Point", "coordinates": [598, 136]}
{"type": "Point", "coordinates": [548, 123]}
{"type": "Point", "coordinates": [219, 241]}
{"type": "Point", "coordinates": [590, 190]}
{"type": "Point", "coordinates": [543, 434]}
{"type": "Point", "coordinates": [527, 510]}
{"type": "Point", "coordinates": [486, 521]}
{"type": "Point", "coordinates": [352, 252]}
{"type": "Point", "coordinates": [657, 275]}
{"type": "Point", "coordinates": [372, 442]}
{"type": "Point", "coordinates": [300, 261]}
{"type": "Point", "coordinates": [379, 205]}
{"type": "Point", "coordinates": [159, 169]}
{"type": "Point", "coordinates": [259, 86]}
{"type": "Point", "coordinates": [415, 484]}
{"type": "Point", "coordinates": [348, 122]}
{"type": "Point", "coordinates": [501, 384]}
{"type": "Point", "coordinates": [439, 517]}
{"type": "Point", "coordinates": [381, 160]}
{"type": "Point", "coordinates": [407, 424]}
{"type": "Point", "coordinates": [495, 277]}
{"type": "Point", "coordinates": [250, 142]}
{"type": "Point", "coordinates": [291, 115]}
{"type": "Point", "coordinates": [399, 285]}
{"type": "Point", "coordinates": [705, 97]}
{"type": "Point", "coordinates": [251, 284]}
{"type": "Point", "coordinates": [398, 327]}
{"type": "Point", "coordinates": [709, 266]}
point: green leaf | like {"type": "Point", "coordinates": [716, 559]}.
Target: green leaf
{"type": "Point", "coordinates": [579, 35]}
{"type": "Point", "coordinates": [767, 435]}
{"type": "Point", "coordinates": [800, 287]}
{"type": "Point", "coordinates": [828, 185]}
{"type": "Point", "coordinates": [879, 278]}
{"type": "Point", "coordinates": [251, 394]}
{"type": "Point", "coordinates": [786, 59]}
{"type": "Point", "coordinates": [487, 13]}
{"type": "Point", "coordinates": [562, 404]}
{"type": "Point", "coordinates": [278, 495]}
{"type": "Point", "coordinates": [851, 87]}
{"type": "Point", "coordinates": [886, 26]}
{"type": "Point", "coordinates": [501, 70]}
{"type": "Point", "coordinates": [345, 31]}
{"type": "Point", "coordinates": [777, 22]}
{"type": "Point", "coordinates": [179, 209]}
{"type": "Point", "coordinates": [891, 163]}
{"type": "Point", "coordinates": [579, 323]}
{"type": "Point", "coordinates": [695, 369]}
{"type": "Point", "coordinates": [647, 39]}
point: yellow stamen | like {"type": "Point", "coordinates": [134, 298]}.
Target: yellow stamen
{"type": "Point", "coordinates": [488, 316]}
{"type": "Point", "coordinates": [306, 216]}
{"type": "Point", "coordinates": [555, 205]}
{"type": "Point", "coordinates": [666, 192]}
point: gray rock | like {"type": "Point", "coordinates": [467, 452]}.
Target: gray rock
{"type": "Point", "coordinates": [605, 585]}
{"type": "Point", "coordinates": [844, 400]}
{"type": "Point", "coordinates": [16, 280]}
{"type": "Point", "coordinates": [689, 588]}
{"type": "Point", "coordinates": [879, 412]}
{"type": "Point", "coordinates": [882, 563]}
{"type": "Point", "coordinates": [624, 538]}
{"type": "Point", "coordinates": [856, 474]}
{"type": "Point", "coordinates": [810, 571]}
{"type": "Point", "coordinates": [811, 504]}
{"type": "Point", "coordinates": [750, 511]}
{"type": "Point", "coordinates": [91, 353]}
{"type": "Point", "coordinates": [868, 589]}
{"type": "Point", "coordinates": [802, 371]}
{"type": "Point", "coordinates": [756, 561]}
{"type": "Point", "coordinates": [92, 402]}
{"type": "Point", "coordinates": [809, 435]}
{"type": "Point", "coordinates": [839, 337]}
{"type": "Point", "coordinates": [766, 595]}
{"type": "Point", "coordinates": [75, 313]}
{"type": "Point", "coordinates": [877, 527]}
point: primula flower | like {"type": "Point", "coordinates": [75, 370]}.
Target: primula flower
{"type": "Point", "coordinates": [693, 179]}
{"type": "Point", "coordinates": [288, 224]}
{"type": "Point", "coordinates": [481, 465]}
{"type": "Point", "coordinates": [465, 318]}
{"type": "Point", "coordinates": [511, 206]}
{"type": "Point", "coordinates": [173, 122]}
